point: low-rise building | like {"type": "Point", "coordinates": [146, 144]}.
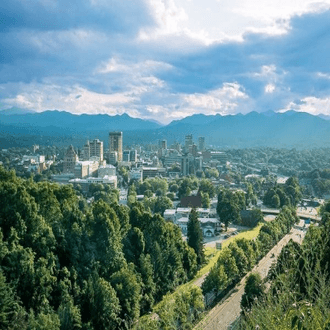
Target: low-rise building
{"type": "Point", "coordinates": [84, 169]}
{"type": "Point", "coordinates": [84, 183]}
{"type": "Point", "coordinates": [151, 172]}
{"type": "Point", "coordinates": [170, 215]}
{"type": "Point", "coordinates": [104, 170]}
{"type": "Point", "coordinates": [210, 226]}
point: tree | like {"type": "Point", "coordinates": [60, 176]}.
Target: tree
{"type": "Point", "coordinates": [254, 289]}
{"type": "Point", "coordinates": [229, 207]}
{"type": "Point", "coordinates": [195, 236]}
{"type": "Point", "coordinates": [174, 188]}
{"type": "Point", "coordinates": [162, 204]}
{"type": "Point", "coordinates": [206, 186]}
{"type": "Point", "coordinates": [205, 200]}
{"type": "Point", "coordinates": [11, 313]}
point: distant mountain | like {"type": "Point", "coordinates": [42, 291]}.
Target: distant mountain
{"type": "Point", "coordinates": [59, 127]}
{"type": "Point", "coordinates": [15, 111]}
{"type": "Point", "coordinates": [67, 120]}
{"type": "Point", "coordinates": [325, 117]}
{"type": "Point", "coordinates": [289, 129]}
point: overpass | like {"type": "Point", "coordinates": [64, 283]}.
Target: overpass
{"type": "Point", "coordinates": [301, 215]}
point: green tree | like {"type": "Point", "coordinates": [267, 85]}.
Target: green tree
{"type": "Point", "coordinates": [12, 315]}
{"type": "Point", "coordinates": [229, 207]}
{"type": "Point", "coordinates": [195, 236]}
{"type": "Point", "coordinates": [254, 289]}
{"type": "Point", "coordinates": [205, 200]}
{"type": "Point", "coordinates": [206, 186]}
{"type": "Point", "coordinates": [162, 204]}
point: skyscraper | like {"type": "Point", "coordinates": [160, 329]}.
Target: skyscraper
{"type": "Point", "coordinates": [163, 144]}
{"type": "Point", "coordinates": [70, 160]}
{"type": "Point", "coordinates": [116, 144]}
{"type": "Point", "coordinates": [188, 142]}
{"type": "Point", "coordinates": [201, 143]}
{"type": "Point", "coordinates": [96, 149]}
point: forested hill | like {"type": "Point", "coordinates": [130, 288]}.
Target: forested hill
{"type": "Point", "coordinates": [66, 265]}
{"type": "Point", "coordinates": [289, 129]}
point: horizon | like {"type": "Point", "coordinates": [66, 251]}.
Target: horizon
{"type": "Point", "coordinates": [30, 111]}
{"type": "Point", "coordinates": [165, 60]}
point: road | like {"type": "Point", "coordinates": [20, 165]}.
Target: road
{"type": "Point", "coordinates": [225, 313]}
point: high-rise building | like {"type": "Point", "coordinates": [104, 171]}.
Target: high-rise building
{"type": "Point", "coordinates": [113, 157]}
{"type": "Point", "coordinates": [70, 160]}
{"type": "Point", "coordinates": [86, 151]}
{"type": "Point", "coordinates": [96, 149]}
{"type": "Point", "coordinates": [188, 142]}
{"type": "Point", "coordinates": [116, 144]}
{"type": "Point", "coordinates": [163, 144]}
{"type": "Point", "coordinates": [201, 143]}
{"type": "Point", "coordinates": [126, 155]}
{"type": "Point", "coordinates": [193, 150]}
{"type": "Point", "coordinates": [133, 156]}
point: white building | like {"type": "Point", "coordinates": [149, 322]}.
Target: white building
{"type": "Point", "coordinates": [84, 183]}
{"type": "Point", "coordinates": [104, 170]}
{"type": "Point", "coordinates": [84, 169]}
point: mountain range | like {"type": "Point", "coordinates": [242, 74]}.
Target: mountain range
{"type": "Point", "coordinates": [289, 129]}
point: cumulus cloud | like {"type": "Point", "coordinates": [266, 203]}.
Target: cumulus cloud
{"type": "Point", "coordinates": [311, 104]}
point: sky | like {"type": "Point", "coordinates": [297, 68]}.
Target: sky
{"type": "Point", "coordinates": [165, 59]}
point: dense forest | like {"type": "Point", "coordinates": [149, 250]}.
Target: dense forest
{"type": "Point", "coordinates": [67, 265]}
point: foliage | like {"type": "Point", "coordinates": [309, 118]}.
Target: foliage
{"type": "Point", "coordinates": [288, 194]}
{"type": "Point", "coordinates": [229, 206]}
{"type": "Point", "coordinates": [65, 265]}
{"type": "Point", "coordinates": [195, 236]}
{"type": "Point", "coordinates": [254, 289]}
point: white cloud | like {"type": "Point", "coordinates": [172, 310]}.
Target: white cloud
{"type": "Point", "coordinates": [270, 88]}
{"type": "Point", "coordinates": [323, 75]}
{"type": "Point", "coordinates": [219, 21]}
{"type": "Point", "coordinates": [221, 100]}
{"type": "Point", "coordinates": [114, 65]}
{"type": "Point", "coordinates": [267, 71]}
{"type": "Point", "coordinates": [312, 105]}
{"type": "Point", "coordinates": [75, 99]}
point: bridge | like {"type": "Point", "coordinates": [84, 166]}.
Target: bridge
{"type": "Point", "coordinates": [301, 215]}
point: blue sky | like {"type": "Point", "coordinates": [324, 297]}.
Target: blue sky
{"type": "Point", "coordinates": [165, 59]}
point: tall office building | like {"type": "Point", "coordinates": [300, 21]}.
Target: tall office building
{"type": "Point", "coordinates": [70, 160]}
{"type": "Point", "coordinates": [86, 151]}
{"type": "Point", "coordinates": [163, 144]}
{"type": "Point", "coordinates": [201, 143]}
{"type": "Point", "coordinates": [96, 149]}
{"type": "Point", "coordinates": [133, 156]}
{"type": "Point", "coordinates": [116, 144]}
{"type": "Point", "coordinates": [126, 155]}
{"type": "Point", "coordinates": [188, 142]}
